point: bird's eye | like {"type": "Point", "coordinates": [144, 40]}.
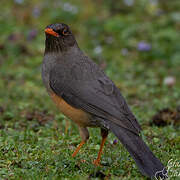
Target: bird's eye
{"type": "Point", "coordinates": [65, 32]}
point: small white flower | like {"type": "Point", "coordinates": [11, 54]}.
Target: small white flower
{"type": "Point", "coordinates": [19, 1]}
{"type": "Point", "coordinates": [169, 81]}
{"type": "Point", "coordinates": [129, 2]}
{"type": "Point", "coordinates": [70, 8]}
{"type": "Point", "coordinates": [98, 50]}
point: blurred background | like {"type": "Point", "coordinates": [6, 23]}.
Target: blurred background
{"type": "Point", "coordinates": [137, 43]}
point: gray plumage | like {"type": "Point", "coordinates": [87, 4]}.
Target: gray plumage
{"type": "Point", "coordinates": [81, 83]}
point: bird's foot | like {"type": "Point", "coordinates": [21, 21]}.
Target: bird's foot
{"type": "Point", "coordinates": [83, 161]}
{"type": "Point", "coordinates": [96, 162]}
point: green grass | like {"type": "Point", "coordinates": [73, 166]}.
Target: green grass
{"type": "Point", "coordinates": [33, 141]}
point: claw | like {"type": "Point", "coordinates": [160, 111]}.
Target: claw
{"type": "Point", "coordinates": [96, 162]}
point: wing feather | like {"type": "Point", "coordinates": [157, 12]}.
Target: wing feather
{"type": "Point", "coordinates": [99, 97]}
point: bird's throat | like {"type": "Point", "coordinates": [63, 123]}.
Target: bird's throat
{"type": "Point", "coordinates": [53, 44]}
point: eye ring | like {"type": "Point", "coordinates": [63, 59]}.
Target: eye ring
{"type": "Point", "coordinates": [65, 31]}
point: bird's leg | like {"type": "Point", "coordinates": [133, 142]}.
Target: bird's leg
{"type": "Point", "coordinates": [104, 134]}
{"type": "Point", "coordinates": [85, 136]}
{"type": "Point", "coordinates": [78, 148]}
{"type": "Point", "coordinates": [66, 126]}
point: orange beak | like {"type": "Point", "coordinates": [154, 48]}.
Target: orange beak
{"type": "Point", "coordinates": [51, 32]}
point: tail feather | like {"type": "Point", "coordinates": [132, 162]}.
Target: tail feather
{"type": "Point", "coordinates": [148, 164]}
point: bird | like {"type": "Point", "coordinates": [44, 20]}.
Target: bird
{"type": "Point", "coordinates": [85, 94]}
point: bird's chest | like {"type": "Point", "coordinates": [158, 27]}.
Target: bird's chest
{"type": "Point", "coordinates": [48, 64]}
{"type": "Point", "coordinates": [77, 115]}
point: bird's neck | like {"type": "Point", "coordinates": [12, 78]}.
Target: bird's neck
{"type": "Point", "coordinates": [54, 45]}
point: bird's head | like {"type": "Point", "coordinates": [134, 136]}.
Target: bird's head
{"type": "Point", "coordinates": [59, 37]}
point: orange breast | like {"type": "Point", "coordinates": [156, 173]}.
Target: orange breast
{"type": "Point", "coordinates": [77, 115]}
